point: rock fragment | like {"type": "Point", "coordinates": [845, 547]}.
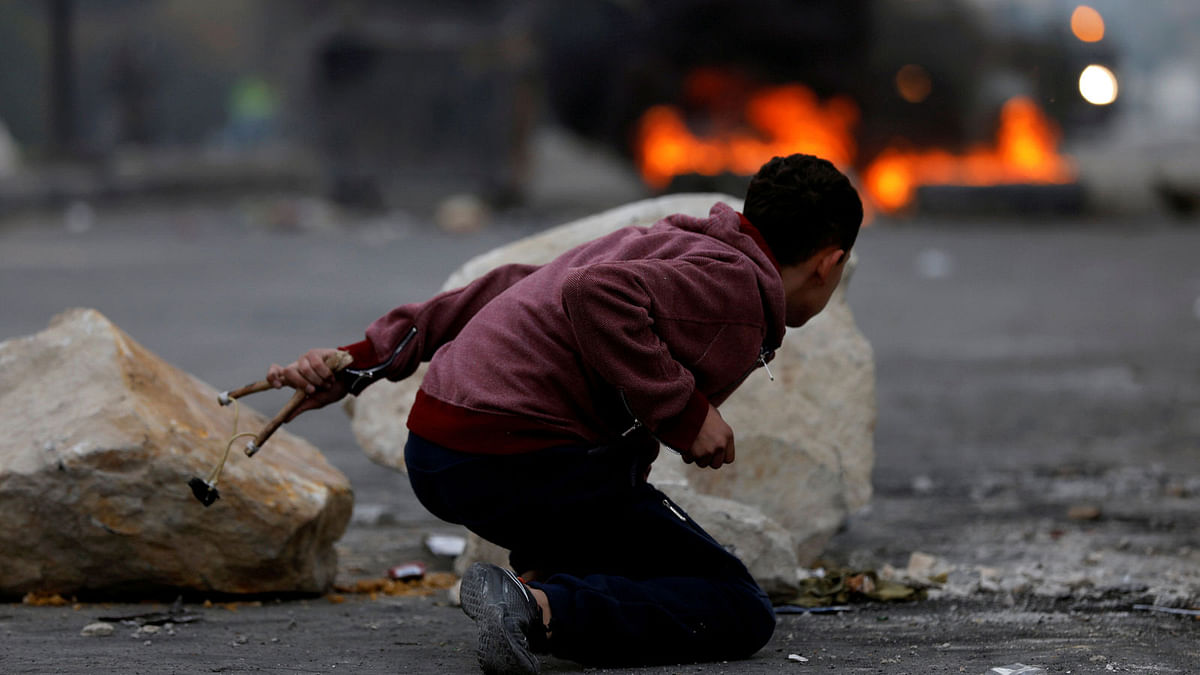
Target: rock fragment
{"type": "Point", "coordinates": [98, 629]}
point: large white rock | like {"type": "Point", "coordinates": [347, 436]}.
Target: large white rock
{"type": "Point", "coordinates": [97, 444]}
{"type": "Point", "coordinates": [767, 549]}
{"type": "Point", "coordinates": [805, 440]}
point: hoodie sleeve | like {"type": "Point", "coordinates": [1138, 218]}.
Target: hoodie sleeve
{"type": "Point", "coordinates": [611, 309]}
{"type": "Point", "coordinates": [431, 324]}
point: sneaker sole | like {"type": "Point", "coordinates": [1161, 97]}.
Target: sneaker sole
{"type": "Point", "coordinates": [497, 651]}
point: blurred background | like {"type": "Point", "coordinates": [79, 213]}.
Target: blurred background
{"type": "Point", "coordinates": [469, 107]}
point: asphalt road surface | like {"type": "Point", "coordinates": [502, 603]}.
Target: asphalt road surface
{"type": "Point", "coordinates": [1024, 368]}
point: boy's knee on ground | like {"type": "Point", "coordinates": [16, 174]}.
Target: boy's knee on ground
{"type": "Point", "coordinates": [760, 626]}
{"type": "Point", "coordinates": [752, 621]}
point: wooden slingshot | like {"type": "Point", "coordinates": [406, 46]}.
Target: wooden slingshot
{"type": "Point", "coordinates": [206, 490]}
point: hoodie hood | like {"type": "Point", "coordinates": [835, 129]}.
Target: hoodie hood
{"type": "Point", "coordinates": [733, 229]}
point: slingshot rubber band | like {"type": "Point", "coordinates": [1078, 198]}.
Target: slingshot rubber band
{"type": "Point", "coordinates": [216, 472]}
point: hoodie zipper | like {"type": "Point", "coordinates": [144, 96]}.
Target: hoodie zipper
{"type": "Point", "coordinates": [761, 361]}
{"type": "Point", "coordinates": [763, 354]}
{"type": "Point", "coordinates": [637, 423]}
{"type": "Point", "coordinates": [667, 503]}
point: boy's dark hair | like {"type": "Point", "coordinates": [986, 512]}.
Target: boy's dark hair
{"type": "Point", "coordinates": [802, 204]}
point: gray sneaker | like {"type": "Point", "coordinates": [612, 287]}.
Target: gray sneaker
{"type": "Point", "coordinates": [508, 618]}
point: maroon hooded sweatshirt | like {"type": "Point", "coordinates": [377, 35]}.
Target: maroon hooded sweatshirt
{"type": "Point", "coordinates": [641, 328]}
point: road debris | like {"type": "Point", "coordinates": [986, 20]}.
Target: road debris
{"type": "Point", "coordinates": [407, 571]}
{"type": "Point", "coordinates": [1084, 512]}
{"type": "Point", "coordinates": [839, 587]}
{"type": "Point", "coordinates": [176, 614]}
{"type": "Point", "coordinates": [98, 629]}
{"type": "Point", "coordinates": [797, 658]}
{"type": "Point", "coordinates": [450, 546]}
{"type": "Point", "coordinates": [1168, 610]}
{"type": "Point", "coordinates": [428, 584]}
{"type": "Point", "coordinates": [921, 564]}
{"type": "Point", "coordinates": [37, 599]}
{"type": "Point", "coordinates": [231, 606]}
{"type": "Point", "coordinates": [827, 609]}
{"type": "Point", "coordinates": [1017, 669]}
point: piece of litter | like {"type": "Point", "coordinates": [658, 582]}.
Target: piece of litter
{"type": "Point", "coordinates": [368, 514]}
{"type": "Point", "coordinates": [1017, 669]}
{"type": "Point", "coordinates": [1084, 512]}
{"type": "Point", "coordinates": [1168, 610]}
{"type": "Point", "coordinates": [923, 485]}
{"type": "Point", "coordinates": [800, 609]}
{"type": "Point", "coordinates": [407, 571]}
{"type": "Point", "coordinates": [445, 544]}
{"type": "Point", "coordinates": [797, 658]}
{"type": "Point", "coordinates": [920, 565]}
{"type": "Point", "coordinates": [98, 629]}
{"type": "Point", "coordinates": [861, 583]}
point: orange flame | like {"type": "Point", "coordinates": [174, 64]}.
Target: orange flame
{"type": "Point", "coordinates": [785, 120]}
{"type": "Point", "coordinates": [1025, 151]}
{"type": "Point", "coordinates": [789, 118]}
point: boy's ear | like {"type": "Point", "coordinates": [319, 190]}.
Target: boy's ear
{"type": "Point", "coordinates": [827, 260]}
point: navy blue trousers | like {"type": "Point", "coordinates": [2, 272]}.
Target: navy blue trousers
{"type": "Point", "coordinates": [631, 579]}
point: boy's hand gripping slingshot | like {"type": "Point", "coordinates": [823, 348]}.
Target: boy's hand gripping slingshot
{"type": "Point", "coordinates": [355, 379]}
{"type": "Point", "coordinates": [206, 490]}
